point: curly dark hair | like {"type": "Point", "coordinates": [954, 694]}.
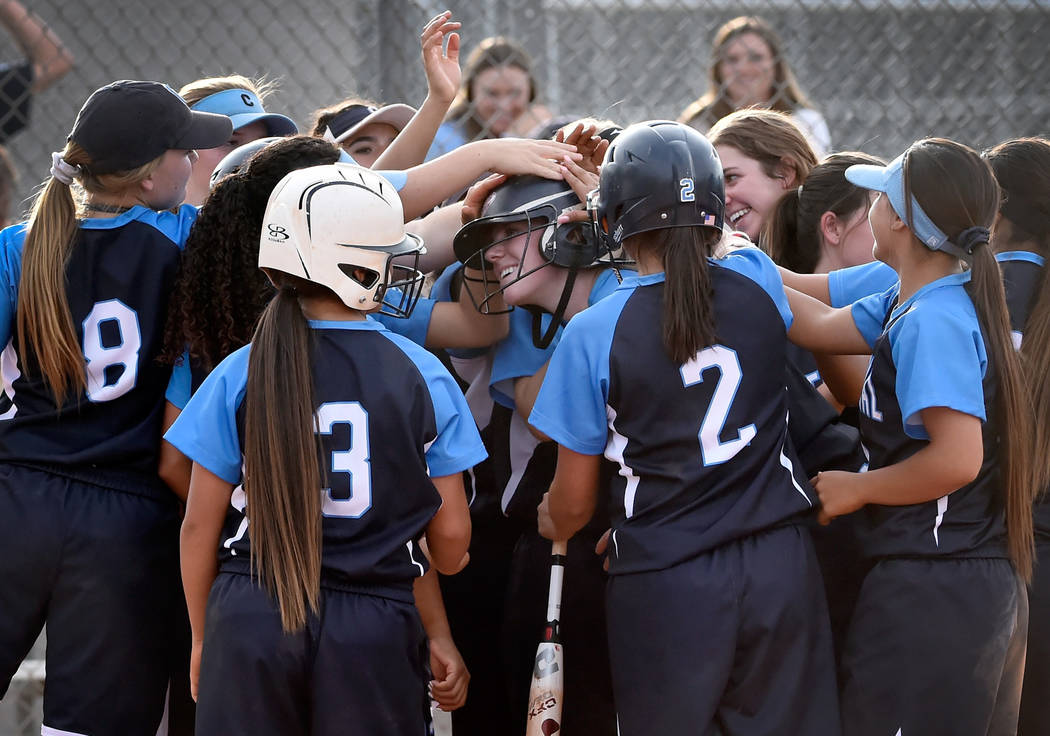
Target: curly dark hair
{"type": "Point", "coordinates": [220, 291]}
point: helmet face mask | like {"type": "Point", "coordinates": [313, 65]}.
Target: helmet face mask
{"type": "Point", "coordinates": [342, 227]}
{"type": "Point", "coordinates": [520, 222]}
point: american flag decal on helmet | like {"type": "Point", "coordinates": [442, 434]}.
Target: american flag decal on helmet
{"type": "Point", "coordinates": [709, 220]}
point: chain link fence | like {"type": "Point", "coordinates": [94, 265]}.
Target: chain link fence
{"type": "Point", "coordinates": [882, 72]}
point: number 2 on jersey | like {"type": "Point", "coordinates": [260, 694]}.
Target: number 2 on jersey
{"type": "Point", "coordinates": [353, 461]}
{"type": "Point", "coordinates": [713, 450]}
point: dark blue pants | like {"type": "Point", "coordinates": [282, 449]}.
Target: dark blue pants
{"type": "Point", "coordinates": [734, 641]}
{"type": "Point", "coordinates": [1035, 699]}
{"type": "Point", "coordinates": [935, 647]}
{"type": "Point", "coordinates": [100, 567]}
{"type": "Point", "coordinates": [359, 667]}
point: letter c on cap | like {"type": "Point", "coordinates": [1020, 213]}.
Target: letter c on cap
{"type": "Point", "coordinates": [247, 100]}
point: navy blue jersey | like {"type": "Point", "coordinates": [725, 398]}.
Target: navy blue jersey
{"type": "Point", "coordinates": [187, 375]}
{"type": "Point", "coordinates": [928, 352]}
{"type": "Point", "coordinates": [390, 417]}
{"type": "Point", "coordinates": [1022, 279]}
{"type": "Point", "coordinates": [120, 273]}
{"type": "Point", "coordinates": [702, 448]}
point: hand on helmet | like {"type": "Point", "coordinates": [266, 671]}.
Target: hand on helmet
{"type": "Point", "coordinates": [476, 196]}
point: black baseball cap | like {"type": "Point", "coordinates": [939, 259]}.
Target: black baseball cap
{"type": "Point", "coordinates": [127, 124]}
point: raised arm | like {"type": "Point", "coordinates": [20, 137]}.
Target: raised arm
{"type": "Point", "coordinates": [51, 59]}
{"type": "Point", "coordinates": [441, 66]}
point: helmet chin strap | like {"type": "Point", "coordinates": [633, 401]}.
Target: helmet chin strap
{"type": "Point", "coordinates": [543, 341]}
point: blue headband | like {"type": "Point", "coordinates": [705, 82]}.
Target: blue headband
{"type": "Point", "coordinates": [244, 107]}
{"type": "Point", "coordinates": [889, 179]}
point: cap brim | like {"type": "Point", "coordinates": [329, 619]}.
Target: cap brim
{"type": "Point", "coordinates": [396, 116]}
{"type": "Point", "coordinates": [868, 176]}
{"type": "Point", "coordinates": [207, 130]}
{"type": "Point", "coordinates": [276, 125]}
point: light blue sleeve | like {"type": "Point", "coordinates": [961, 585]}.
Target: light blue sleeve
{"type": "Point", "coordinates": [397, 178]}
{"type": "Point", "coordinates": [571, 406]}
{"type": "Point", "coordinates": [415, 326]}
{"type": "Point", "coordinates": [869, 314]}
{"type": "Point", "coordinates": [180, 386]}
{"type": "Point", "coordinates": [940, 359]}
{"type": "Point", "coordinates": [458, 445]}
{"type": "Point", "coordinates": [848, 285]}
{"type": "Point", "coordinates": [175, 225]}
{"type": "Point", "coordinates": [206, 430]}
{"type": "Point", "coordinates": [11, 240]}
{"type": "Point", "coordinates": [517, 356]}
{"type": "Point", "coordinates": [448, 138]}
{"type": "Point", "coordinates": [757, 266]}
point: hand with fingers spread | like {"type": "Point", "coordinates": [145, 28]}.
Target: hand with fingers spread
{"type": "Point", "coordinates": [526, 156]}
{"type": "Point", "coordinates": [441, 64]}
{"type": "Point", "coordinates": [579, 178]}
{"type": "Point", "coordinates": [588, 143]}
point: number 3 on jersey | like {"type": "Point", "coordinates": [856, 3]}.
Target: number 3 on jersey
{"type": "Point", "coordinates": [713, 450]}
{"type": "Point", "coordinates": [353, 461]}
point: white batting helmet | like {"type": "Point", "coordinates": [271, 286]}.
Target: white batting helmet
{"type": "Point", "coordinates": [342, 226]}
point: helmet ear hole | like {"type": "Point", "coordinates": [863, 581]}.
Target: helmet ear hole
{"type": "Point", "coordinates": [364, 276]}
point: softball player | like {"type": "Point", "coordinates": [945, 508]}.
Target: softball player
{"type": "Point", "coordinates": [947, 497]}
{"type": "Point", "coordinates": [87, 530]}
{"type": "Point", "coordinates": [518, 237]}
{"type": "Point", "coordinates": [1022, 241]}
{"type": "Point", "coordinates": [715, 609]}
{"type": "Point", "coordinates": [310, 624]}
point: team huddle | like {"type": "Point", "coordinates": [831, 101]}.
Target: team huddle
{"type": "Point", "coordinates": [286, 436]}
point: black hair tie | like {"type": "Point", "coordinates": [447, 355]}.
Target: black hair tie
{"type": "Point", "coordinates": [972, 237]}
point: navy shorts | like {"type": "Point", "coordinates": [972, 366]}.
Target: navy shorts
{"type": "Point", "coordinates": [733, 641]}
{"type": "Point", "coordinates": [359, 667]}
{"type": "Point", "coordinates": [935, 647]}
{"type": "Point", "coordinates": [100, 567]}
{"type": "Point", "coordinates": [1035, 698]}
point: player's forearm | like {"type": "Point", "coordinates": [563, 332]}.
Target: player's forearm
{"type": "Point", "coordinates": [811, 284]}
{"type": "Point", "coordinates": [51, 60]}
{"type": "Point", "coordinates": [927, 475]}
{"type": "Point", "coordinates": [431, 606]}
{"type": "Point", "coordinates": [410, 146]}
{"type": "Point", "coordinates": [199, 567]}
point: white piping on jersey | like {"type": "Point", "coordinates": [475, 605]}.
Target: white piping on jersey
{"type": "Point", "coordinates": [48, 731]}
{"type": "Point", "coordinates": [522, 444]}
{"type": "Point", "coordinates": [426, 449]}
{"type": "Point", "coordinates": [614, 450]}
{"type": "Point", "coordinates": [473, 487]}
{"type": "Point", "coordinates": [616, 545]}
{"type": "Point", "coordinates": [239, 501]}
{"type": "Point", "coordinates": [942, 506]}
{"type": "Point", "coordinates": [422, 570]}
{"type": "Point", "coordinates": [786, 462]}
{"type": "Point", "coordinates": [9, 371]}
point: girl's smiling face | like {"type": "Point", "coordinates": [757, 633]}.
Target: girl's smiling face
{"type": "Point", "coordinates": [751, 194]}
